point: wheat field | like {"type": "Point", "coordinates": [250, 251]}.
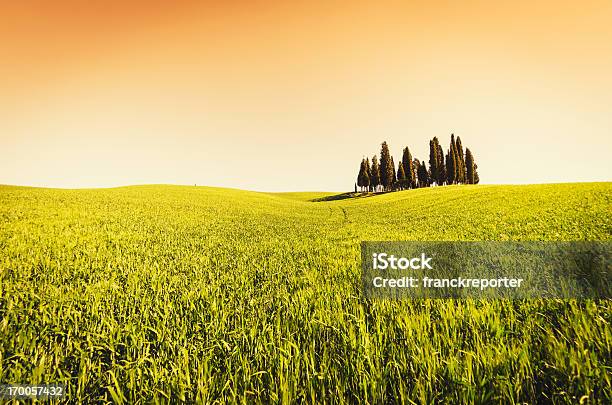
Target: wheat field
{"type": "Point", "coordinates": [181, 293]}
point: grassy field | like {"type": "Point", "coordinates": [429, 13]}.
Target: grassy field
{"type": "Point", "coordinates": [204, 294]}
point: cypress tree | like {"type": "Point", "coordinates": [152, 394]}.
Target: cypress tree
{"type": "Point", "coordinates": [441, 166]}
{"type": "Point", "coordinates": [423, 175]}
{"type": "Point", "coordinates": [457, 164]}
{"type": "Point", "coordinates": [369, 172]}
{"type": "Point", "coordinates": [401, 176]}
{"type": "Point", "coordinates": [375, 178]}
{"type": "Point", "coordinates": [393, 183]}
{"type": "Point", "coordinates": [415, 173]}
{"type": "Point", "coordinates": [359, 175]}
{"type": "Point", "coordinates": [469, 163]}
{"type": "Point", "coordinates": [451, 162]}
{"type": "Point", "coordinates": [450, 167]}
{"type": "Point", "coordinates": [461, 175]}
{"type": "Point", "coordinates": [476, 177]}
{"type": "Point", "coordinates": [386, 167]}
{"type": "Point", "coordinates": [408, 168]}
{"type": "Point", "coordinates": [433, 157]}
{"type": "Point", "coordinates": [363, 179]}
{"type": "Point", "coordinates": [437, 171]}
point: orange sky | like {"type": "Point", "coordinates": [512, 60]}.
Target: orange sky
{"type": "Point", "coordinates": [272, 95]}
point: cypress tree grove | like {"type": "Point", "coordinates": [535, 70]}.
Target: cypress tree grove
{"type": "Point", "coordinates": [375, 178]}
{"type": "Point", "coordinates": [469, 163]}
{"type": "Point", "coordinates": [454, 167]}
{"type": "Point", "coordinates": [408, 170]}
{"type": "Point", "coordinates": [386, 167]}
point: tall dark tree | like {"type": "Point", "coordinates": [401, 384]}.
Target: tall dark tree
{"type": "Point", "coordinates": [369, 172]}
{"type": "Point", "coordinates": [408, 169]}
{"type": "Point", "coordinates": [433, 157]}
{"type": "Point", "coordinates": [457, 164]}
{"type": "Point", "coordinates": [363, 180]}
{"type": "Point", "coordinates": [451, 162]}
{"type": "Point", "coordinates": [441, 167]}
{"type": "Point", "coordinates": [401, 176]}
{"type": "Point", "coordinates": [436, 162]}
{"type": "Point", "coordinates": [360, 174]}
{"type": "Point", "coordinates": [415, 172]}
{"type": "Point", "coordinates": [386, 167]}
{"type": "Point", "coordinates": [394, 172]}
{"type": "Point", "coordinates": [450, 167]}
{"type": "Point", "coordinates": [461, 172]}
{"type": "Point", "coordinates": [375, 177]}
{"type": "Point", "coordinates": [469, 166]}
{"type": "Point", "coordinates": [423, 175]}
{"type": "Point", "coordinates": [476, 177]}
{"type": "Point", "coordinates": [415, 167]}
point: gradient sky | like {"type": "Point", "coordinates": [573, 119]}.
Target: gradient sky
{"type": "Point", "coordinates": [289, 95]}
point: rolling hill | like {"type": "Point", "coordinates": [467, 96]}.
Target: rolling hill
{"type": "Point", "coordinates": [207, 294]}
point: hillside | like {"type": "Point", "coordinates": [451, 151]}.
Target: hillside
{"type": "Point", "coordinates": [217, 294]}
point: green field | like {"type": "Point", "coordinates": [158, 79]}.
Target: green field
{"type": "Point", "coordinates": [205, 294]}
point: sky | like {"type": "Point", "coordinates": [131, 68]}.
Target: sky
{"type": "Point", "coordinates": [290, 95]}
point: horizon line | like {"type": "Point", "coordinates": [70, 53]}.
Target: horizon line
{"type": "Point", "coordinates": [285, 191]}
